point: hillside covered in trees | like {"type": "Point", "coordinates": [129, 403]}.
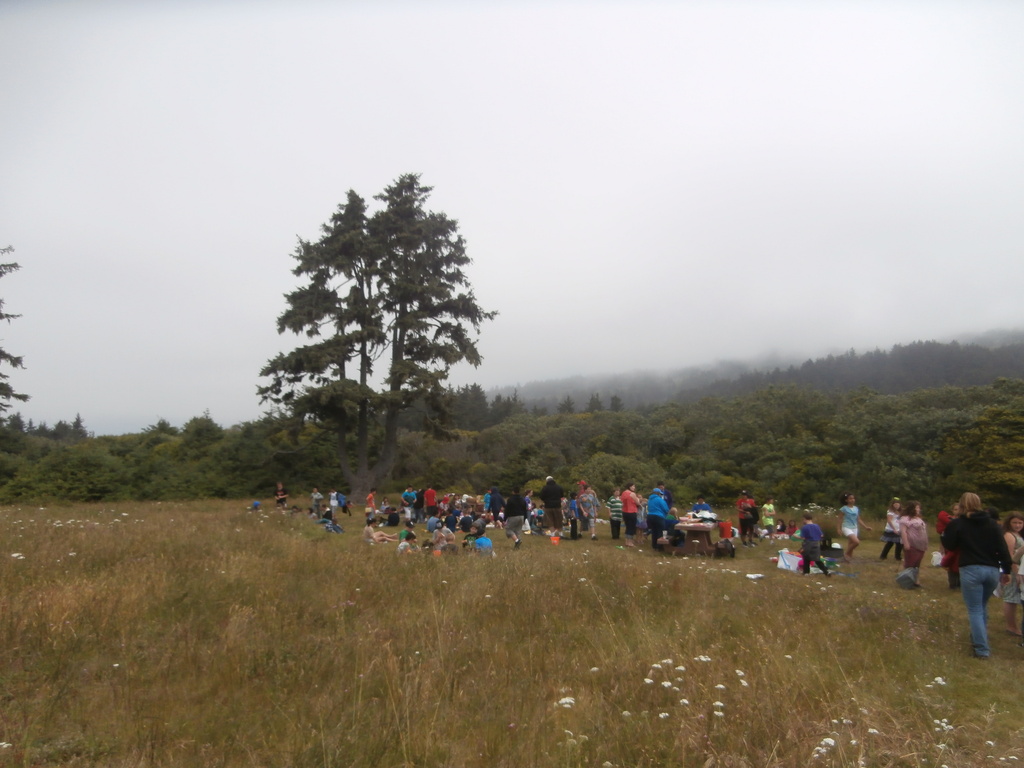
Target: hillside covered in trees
{"type": "Point", "coordinates": [798, 443]}
{"type": "Point", "coordinates": [919, 365]}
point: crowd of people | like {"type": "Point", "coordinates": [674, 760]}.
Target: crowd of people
{"type": "Point", "coordinates": [981, 555]}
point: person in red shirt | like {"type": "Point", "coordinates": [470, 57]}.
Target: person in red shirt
{"type": "Point", "coordinates": [747, 509]}
{"type": "Point", "coordinates": [944, 519]}
{"type": "Point", "coordinates": [630, 505]}
{"type": "Point", "coordinates": [430, 501]}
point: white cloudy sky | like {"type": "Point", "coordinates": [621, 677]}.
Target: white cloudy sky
{"type": "Point", "coordinates": [641, 184]}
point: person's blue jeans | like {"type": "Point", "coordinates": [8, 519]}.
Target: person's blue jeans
{"type": "Point", "coordinates": [977, 583]}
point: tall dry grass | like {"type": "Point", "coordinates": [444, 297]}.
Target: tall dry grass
{"type": "Point", "coordinates": [201, 634]}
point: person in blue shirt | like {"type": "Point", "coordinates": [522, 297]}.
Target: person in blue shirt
{"type": "Point", "coordinates": [483, 545]}
{"type": "Point", "coordinates": [850, 525]}
{"type": "Point", "coordinates": [701, 506]}
{"type": "Point", "coordinates": [657, 512]}
{"type": "Point", "coordinates": [812, 535]}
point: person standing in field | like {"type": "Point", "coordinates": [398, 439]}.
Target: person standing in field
{"type": "Point", "coordinates": [768, 515]}
{"type": "Point", "coordinates": [943, 519]}
{"type": "Point", "coordinates": [371, 504]}
{"type": "Point", "coordinates": [588, 505]}
{"type": "Point", "coordinates": [850, 527]}
{"type": "Point", "coordinates": [812, 535]}
{"type": "Point", "coordinates": [914, 536]}
{"type": "Point", "coordinates": [657, 512]}
{"type": "Point", "coordinates": [614, 505]}
{"type": "Point", "coordinates": [1011, 593]}
{"type": "Point", "coordinates": [982, 555]}
{"type": "Point", "coordinates": [551, 496]}
{"type": "Point", "coordinates": [316, 499]}
{"type": "Point", "coordinates": [430, 500]}
{"type": "Point", "coordinates": [281, 497]}
{"type": "Point", "coordinates": [891, 534]}
{"type": "Point", "coordinates": [747, 509]}
{"type": "Point", "coordinates": [515, 517]}
{"type": "Point", "coordinates": [630, 511]}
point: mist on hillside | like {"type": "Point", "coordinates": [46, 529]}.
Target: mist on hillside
{"type": "Point", "coordinates": [971, 359]}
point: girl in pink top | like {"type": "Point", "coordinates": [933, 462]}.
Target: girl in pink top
{"type": "Point", "coordinates": [630, 505]}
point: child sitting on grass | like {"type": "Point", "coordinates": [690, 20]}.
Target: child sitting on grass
{"type": "Point", "coordinates": [812, 535]}
{"type": "Point", "coordinates": [483, 545]}
{"type": "Point", "coordinates": [408, 544]}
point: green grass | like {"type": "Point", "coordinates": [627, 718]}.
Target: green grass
{"type": "Point", "coordinates": [200, 634]}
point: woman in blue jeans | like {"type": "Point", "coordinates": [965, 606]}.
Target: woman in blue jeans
{"type": "Point", "coordinates": [983, 554]}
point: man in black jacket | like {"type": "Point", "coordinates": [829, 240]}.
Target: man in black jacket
{"type": "Point", "coordinates": [551, 494]}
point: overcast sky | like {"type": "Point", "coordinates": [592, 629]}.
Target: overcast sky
{"type": "Point", "coordinates": [645, 185]}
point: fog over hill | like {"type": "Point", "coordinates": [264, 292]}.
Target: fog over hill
{"type": "Point", "coordinates": [972, 359]}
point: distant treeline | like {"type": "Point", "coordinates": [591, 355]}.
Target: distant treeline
{"type": "Point", "coordinates": [799, 444]}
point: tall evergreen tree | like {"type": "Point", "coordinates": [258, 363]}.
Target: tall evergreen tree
{"type": "Point", "coordinates": [7, 393]}
{"type": "Point", "coordinates": [387, 288]}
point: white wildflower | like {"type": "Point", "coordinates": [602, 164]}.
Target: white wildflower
{"type": "Point", "coordinates": [719, 714]}
{"type": "Point", "coordinates": [720, 687]}
{"type": "Point", "coordinates": [685, 702]}
{"type": "Point", "coordinates": [718, 704]}
{"type": "Point", "coordinates": [663, 715]}
{"type": "Point", "coordinates": [626, 713]}
{"type": "Point", "coordinates": [666, 684]}
{"type": "Point", "coordinates": [594, 669]}
{"type": "Point", "coordinates": [739, 673]}
{"type": "Point", "coordinates": [648, 681]}
{"type": "Point", "coordinates": [568, 702]}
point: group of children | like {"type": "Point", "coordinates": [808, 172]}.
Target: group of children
{"type": "Point", "coordinates": [442, 538]}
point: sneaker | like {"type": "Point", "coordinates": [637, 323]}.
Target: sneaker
{"type": "Point", "coordinates": [518, 542]}
{"type": "Point", "coordinates": [593, 537]}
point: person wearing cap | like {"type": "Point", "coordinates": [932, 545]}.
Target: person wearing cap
{"type": "Point", "coordinates": [657, 512]}
{"type": "Point", "coordinates": [551, 494]}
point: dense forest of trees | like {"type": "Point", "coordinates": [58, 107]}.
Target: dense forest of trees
{"type": "Point", "coordinates": [798, 443]}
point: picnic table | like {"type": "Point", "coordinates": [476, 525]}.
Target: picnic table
{"type": "Point", "coordinates": [698, 537]}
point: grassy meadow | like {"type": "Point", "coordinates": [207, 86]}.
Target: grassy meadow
{"type": "Point", "coordinates": [202, 634]}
